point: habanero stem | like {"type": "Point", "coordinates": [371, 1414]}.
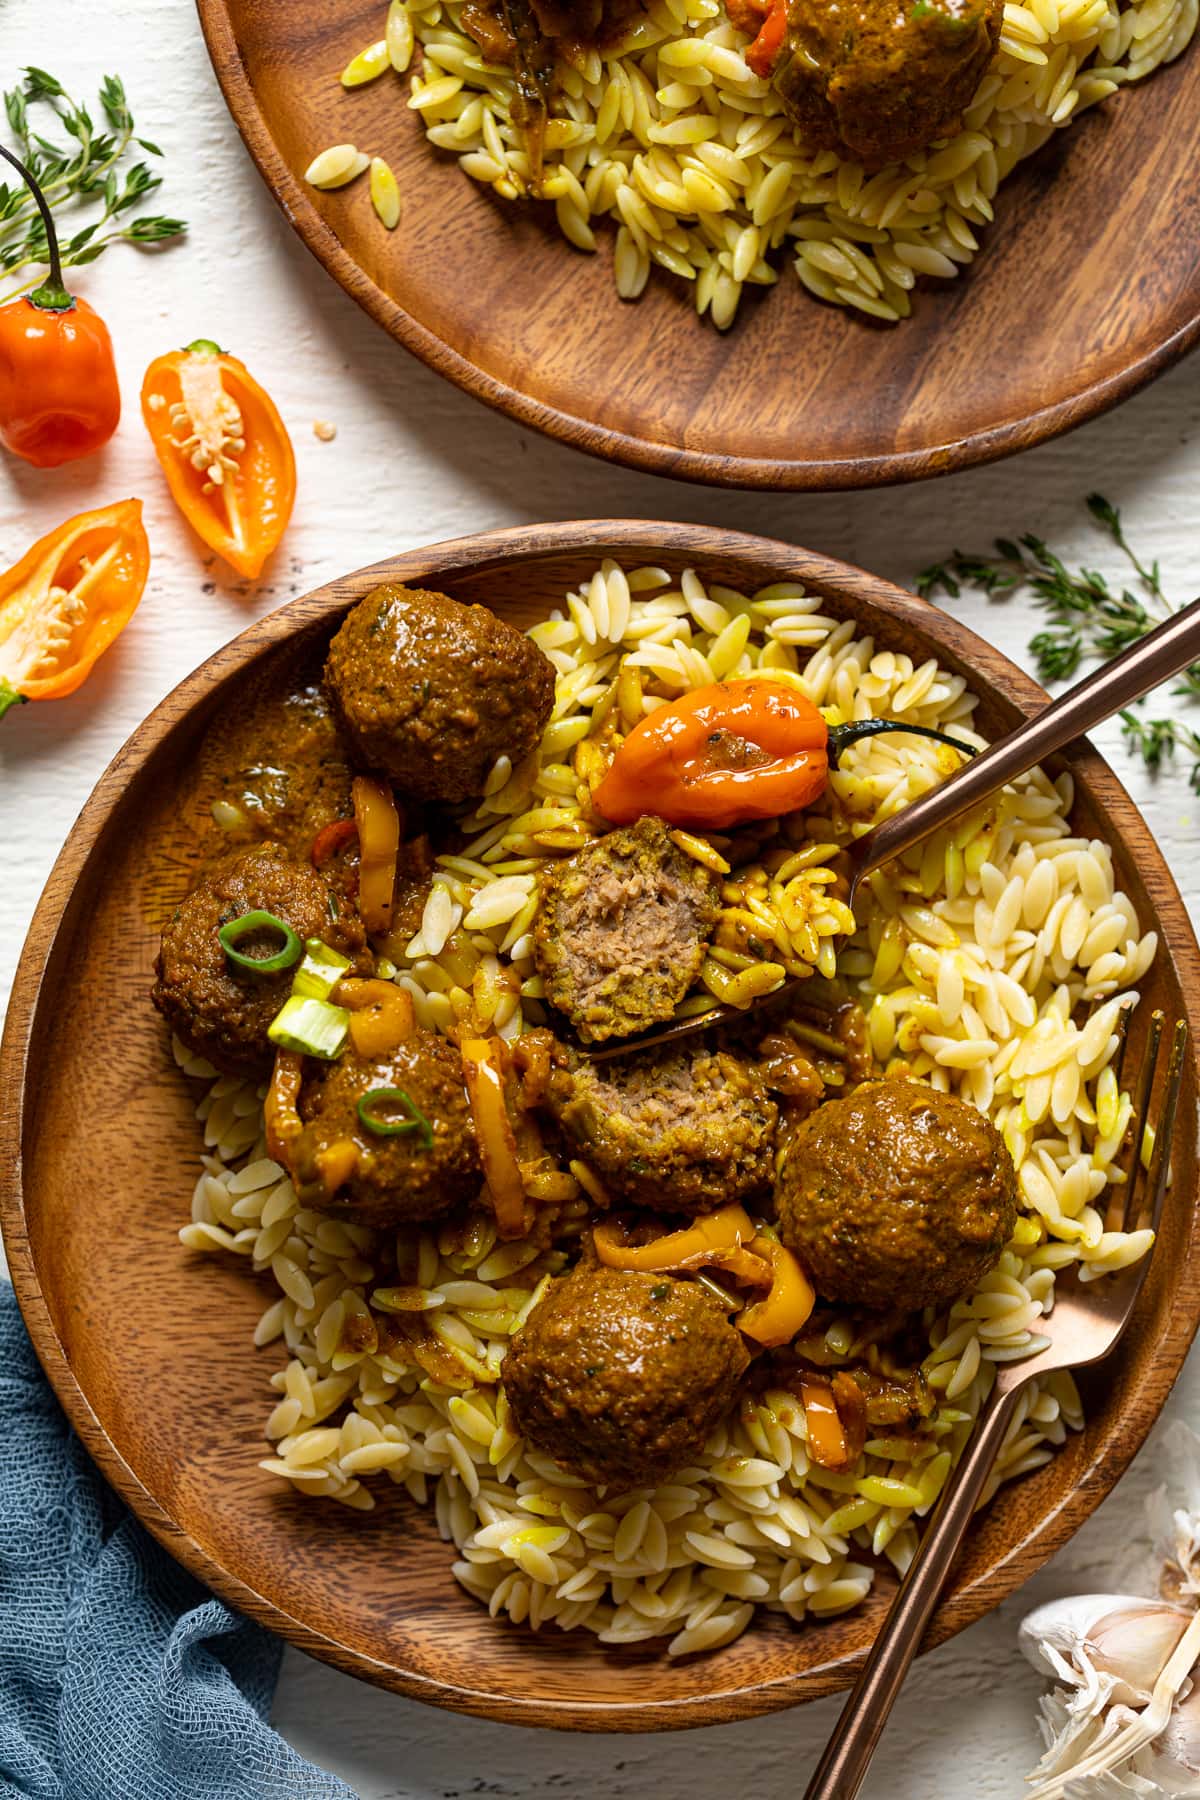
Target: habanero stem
{"type": "Point", "coordinates": [52, 295]}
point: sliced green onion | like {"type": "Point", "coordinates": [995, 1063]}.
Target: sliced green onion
{"type": "Point", "coordinates": [310, 1027]}
{"type": "Point", "coordinates": [389, 1096]}
{"type": "Point", "coordinates": [320, 971]}
{"type": "Point", "coordinates": [234, 930]}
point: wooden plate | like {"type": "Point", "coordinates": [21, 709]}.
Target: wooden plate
{"type": "Point", "coordinates": [1087, 286]}
{"type": "Point", "coordinates": [149, 1347]}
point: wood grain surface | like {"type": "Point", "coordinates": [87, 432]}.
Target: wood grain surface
{"type": "Point", "coordinates": [1087, 285]}
{"type": "Point", "coordinates": [149, 1347]}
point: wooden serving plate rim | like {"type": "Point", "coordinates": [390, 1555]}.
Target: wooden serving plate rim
{"type": "Point", "coordinates": [656, 457]}
{"type": "Point", "coordinates": [475, 555]}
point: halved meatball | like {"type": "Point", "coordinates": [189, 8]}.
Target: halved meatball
{"type": "Point", "coordinates": [897, 1196]}
{"type": "Point", "coordinates": [397, 1178]}
{"type": "Point", "coordinates": [680, 1131]}
{"type": "Point", "coordinates": [620, 1376]}
{"type": "Point", "coordinates": [622, 928]}
{"type": "Point", "coordinates": [431, 692]}
{"type": "Point", "coordinates": [217, 1008]}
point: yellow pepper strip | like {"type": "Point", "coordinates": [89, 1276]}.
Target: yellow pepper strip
{"type": "Point", "coordinates": [483, 1072]}
{"type": "Point", "coordinates": [826, 1440]}
{"type": "Point", "coordinates": [381, 1015]}
{"type": "Point", "coordinates": [280, 1113]}
{"type": "Point", "coordinates": [378, 821]}
{"type": "Point", "coordinates": [777, 1317]}
{"type": "Point", "coordinates": [727, 1229]}
{"type": "Point", "coordinates": [337, 1162]}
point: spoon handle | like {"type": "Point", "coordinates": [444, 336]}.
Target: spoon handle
{"type": "Point", "coordinates": [841, 1770]}
{"type": "Point", "coordinates": [1167, 650]}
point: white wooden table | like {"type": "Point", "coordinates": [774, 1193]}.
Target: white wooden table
{"type": "Point", "coordinates": [415, 461]}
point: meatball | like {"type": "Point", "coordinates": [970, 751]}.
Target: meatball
{"type": "Point", "coordinates": [431, 692]}
{"type": "Point", "coordinates": [398, 1178]}
{"type": "Point", "coordinates": [620, 1376]}
{"type": "Point", "coordinates": [897, 1196]}
{"type": "Point", "coordinates": [621, 932]}
{"type": "Point", "coordinates": [679, 1131]}
{"type": "Point", "coordinates": [878, 82]}
{"type": "Point", "coordinates": [217, 1008]}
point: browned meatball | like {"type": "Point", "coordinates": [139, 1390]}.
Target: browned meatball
{"type": "Point", "coordinates": [897, 1196]}
{"type": "Point", "coordinates": [217, 1008]}
{"type": "Point", "coordinates": [399, 1178]}
{"type": "Point", "coordinates": [674, 1130]}
{"type": "Point", "coordinates": [877, 81]}
{"type": "Point", "coordinates": [621, 932]}
{"type": "Point", "coordinates": [432, 692]}
{"type": "Point", "coordinates": [620, 1376]}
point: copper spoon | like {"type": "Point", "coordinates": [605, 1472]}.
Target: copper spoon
{"type": "Point", "coordinates": [1167, 650]}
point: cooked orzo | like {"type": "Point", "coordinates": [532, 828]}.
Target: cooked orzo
{"type": "Point", "coordinates": [668, 135]}
{"type": "Point", "coordinates": [992, 964]}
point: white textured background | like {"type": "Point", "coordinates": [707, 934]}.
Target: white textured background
{"type": "Point", "coordinates": [415, 461]}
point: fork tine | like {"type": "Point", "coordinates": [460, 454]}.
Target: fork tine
{"type": "Point", "coordinates": [1118, 1061]}
{"type": "Point", "coordinates": [1164, 1129]}
{"type": "Point", "coordinates": [1122, 1210]}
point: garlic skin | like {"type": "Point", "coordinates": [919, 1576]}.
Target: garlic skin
{"type": "Point", "coordinates": [1119, 1637]}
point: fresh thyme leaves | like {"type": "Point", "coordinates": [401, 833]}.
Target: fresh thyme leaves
{"type": "Point", "coordinates": [1087, 618]}
{"type": "Point", "coordinates": [91, 164]}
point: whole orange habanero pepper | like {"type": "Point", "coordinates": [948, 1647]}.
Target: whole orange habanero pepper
{"type": "Point", "coordinates": [224, 450]}
{"type": "Point", "coordinates": [733, 752]}
{"type": "Point", "coordinates": [66, 600]}
{"type": "Point", "coordinates": [59, 398]}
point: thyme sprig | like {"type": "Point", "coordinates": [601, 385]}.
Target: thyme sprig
{"type": "Point", "coordinates": [1088, 618]}
{"type": "Point", "coordinates": [89, 166]}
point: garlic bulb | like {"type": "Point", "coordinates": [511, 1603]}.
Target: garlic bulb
{"type": "Point", "coordinates": [1105, 1653]}
{"type": "Point", "coordinates": [1115, 1636]}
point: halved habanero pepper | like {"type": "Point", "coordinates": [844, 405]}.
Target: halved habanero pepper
{"type": "Point", "coordinates": [66, 600]}
{"type": "Point", "coordinates": [224, 450]}
{"type": "Point", "coordinates": [730, 753]}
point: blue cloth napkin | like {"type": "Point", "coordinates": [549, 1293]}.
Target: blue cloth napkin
{"type": "Point", "coordinates": [121, 1678]}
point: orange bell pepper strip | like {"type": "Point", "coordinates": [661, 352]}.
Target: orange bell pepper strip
{"type": "Point", "coordinates": [381, 1014]}
{"type": "Point", "coordinates": [778, 1316]}
{"type": "Point", "coordinates": [59, 398]}
{"type": "Point", "coordinates": [763, 53]}
{"type": "Point", "coordinates": [710, 1238]}
{"type": "Point", "coordinates": [224, 450]}
{"type": "Point", "coordinates": [827, 1443]}
{"type": "Point", "coordinates": [66, 600]}
{"type": "Point", "coordinates": [281, 1117]}
{"type": "Point", "coordinates": [484, 1072]}
{"type": "Point", "coordinates": [377, 818]}
{"type": "Point", "coordinates": [730, 753]}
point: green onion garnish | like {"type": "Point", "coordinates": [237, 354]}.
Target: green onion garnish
{"type": "Point", "coordinates": [310, 1027]}
{"type": "Point", "coordinates": [320, 971]}
{"type": "Point", "coordinates": [389, 1096]}
{"type": "Point", "coordinates": [234, 930]}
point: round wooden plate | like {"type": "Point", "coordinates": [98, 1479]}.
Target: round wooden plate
{"type": "Point", "coordinates": [1087, 286]}
{"type": "Point", "coordinates": [149, 1346]}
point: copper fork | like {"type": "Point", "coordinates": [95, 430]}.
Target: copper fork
{"type": "Point", "coordinates": [1086, 1322]}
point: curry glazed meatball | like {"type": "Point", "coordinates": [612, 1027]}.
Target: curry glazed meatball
{"type": "Point", "coordinates": [679, 1131]}
{"type": "Point", "coordinates": [620, 1376]}
{"type": "Point", "coordinates": [217, 1008]}
{"type": "Point", "coordinates": [877, 81]}
{"type": "Point", "coordinates": [897, 1196]}
{"type": "Point", "coordinates": [398, 1178]}
{"type": "Point", "coordinates": [621, 932]}
{"type": "Point", "coordinates": [431, 692]}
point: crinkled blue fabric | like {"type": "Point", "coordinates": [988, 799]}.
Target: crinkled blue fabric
{"type": "Point", "coordinates": [121, 1678]}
